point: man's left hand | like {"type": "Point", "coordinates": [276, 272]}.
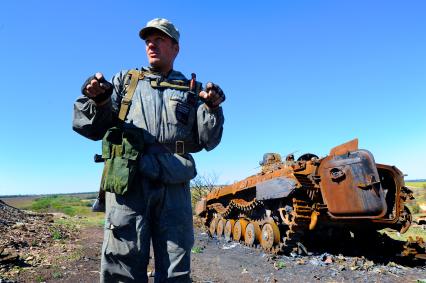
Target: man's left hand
{"type": "Point", "coordinates": [213, 95]}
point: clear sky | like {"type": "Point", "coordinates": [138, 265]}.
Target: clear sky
{"type": "Point", "coordinates": [300, 76]}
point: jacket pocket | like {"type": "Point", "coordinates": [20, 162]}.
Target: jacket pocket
{"type": "Point", "coordinates": [181, 108]}
{"type": "Point", "coordinates": [149, 166]}
{"type": "Point", "coordinates": [176, 168]}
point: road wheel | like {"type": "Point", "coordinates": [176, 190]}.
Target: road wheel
{"type": "Point", "coordinates": [270, 236]}
{"type": "Point", "coordinates": [220, 227]}
{"type": "Point", "coordinates": [252, 234]}
{"type": "Point", "coordinates": [212, 227]}
{"type": "Point", "coordinates": [239, 229]}
{"type": "Point", "coordinates": [229, 226]}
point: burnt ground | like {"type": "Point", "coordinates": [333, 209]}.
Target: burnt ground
{"type": "Point", "coordinates": [75, 257]}
{"type": "Point", "coordinates": [222, 261]}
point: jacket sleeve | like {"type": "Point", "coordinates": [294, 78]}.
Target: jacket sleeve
{"type": "Point", "coordinates": [92, 121]}
{"type": "Point", "coordinates": [209, 126]}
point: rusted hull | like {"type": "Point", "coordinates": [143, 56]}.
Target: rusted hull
{"type": "Point", "coordinates": [288, 198]}
{"type": "Point", "coordinates": [350, 186]}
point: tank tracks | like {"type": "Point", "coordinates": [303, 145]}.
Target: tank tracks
{"type": "Point", "coordinates": [261, 230]}
{"type": "Point", "coordinates": [281, 238]}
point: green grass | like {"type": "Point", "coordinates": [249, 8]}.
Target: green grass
{"type": "Point", "coordinates": [419, 193]}
{"type": "Point", "coordinates": [78, 207]}
{"type": "Point", "coordinates": [56, 234]}
{"type": "Point", "coordinates": [86, 218]}
{"type": "Point", "coordinates": [68, 205]}
{"type": "Point", "coordinates": [419, 190]}
{"type": "Point", "coordinates": [279, 265]}
{"type": "Point", "coordinates": [57, 275]}
{"type": "Point", "coordinates": [197, 250]}
{"type": "Point", "coordinates": [416, 184]}
{"type": "Point", "coordinates": [57, 203]}
{"type": "Point", "coordinates": [412, 232]}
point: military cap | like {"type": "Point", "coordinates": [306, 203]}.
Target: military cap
{"type": "Point", "coordinates": [162, 25]}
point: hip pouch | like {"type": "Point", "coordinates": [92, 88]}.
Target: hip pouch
{"type": "Point", "coordinates": [121, 149]}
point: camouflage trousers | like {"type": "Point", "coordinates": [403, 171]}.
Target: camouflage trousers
{"type": "Point", "coordinates": [155, 212]}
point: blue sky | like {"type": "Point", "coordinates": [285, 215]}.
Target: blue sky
{"type": "Point", "coordinates": [300, 76]}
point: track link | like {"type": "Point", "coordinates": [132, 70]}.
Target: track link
{"type": "Point", "coordinates": [295, 223]}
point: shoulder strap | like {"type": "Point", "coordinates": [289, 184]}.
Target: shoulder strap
{"type": "Point", "coordinates": [175, 84]}
{"type": "Point", "coordinates": [135, 76]}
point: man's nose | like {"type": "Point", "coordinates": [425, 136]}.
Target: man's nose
{"type": "Point", "coordinates": [152, 44]}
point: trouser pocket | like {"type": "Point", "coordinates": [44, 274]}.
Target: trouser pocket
{"type": "Point", "coordinates": [125, 256]}
{"type": "Point", "coordinates": [121, 227]}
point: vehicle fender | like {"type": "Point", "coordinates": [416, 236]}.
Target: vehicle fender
{"type": "Point", "coordinates": [276, 188]}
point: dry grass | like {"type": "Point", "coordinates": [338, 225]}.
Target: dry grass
{"type": "Point", "coordinates": [21, 202]}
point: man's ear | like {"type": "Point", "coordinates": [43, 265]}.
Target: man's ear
{"type": "Point", "coordinates": [176, 49]}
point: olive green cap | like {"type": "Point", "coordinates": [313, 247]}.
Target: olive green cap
{"type": "Point", "coordinates": [162, 25]}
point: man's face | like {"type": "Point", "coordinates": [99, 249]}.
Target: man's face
{"type": "Point", "coordinates": [161, 51]}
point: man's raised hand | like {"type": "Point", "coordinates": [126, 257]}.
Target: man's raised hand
{"type": "Point", "coordinates": [212, 95]}
{"type": "Point", "coordinates": [97, 88]}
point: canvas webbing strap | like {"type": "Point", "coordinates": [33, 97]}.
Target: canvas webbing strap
{"type": "Point", "coordinates": [135, 76]}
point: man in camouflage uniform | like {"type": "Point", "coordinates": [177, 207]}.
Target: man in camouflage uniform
{"type": "Point", "coordinates": [174, 124]}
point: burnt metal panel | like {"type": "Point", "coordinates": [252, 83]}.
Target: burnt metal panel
{"type": "Point", "coordinates": [275, 188]}
{"type": "Point", "coordinates": [345, 148]}
{"type": "Point", "coordinates": [350, 185]}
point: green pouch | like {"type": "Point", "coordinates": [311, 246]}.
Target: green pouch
{"type": "Point", "coordinates": [121, 149]}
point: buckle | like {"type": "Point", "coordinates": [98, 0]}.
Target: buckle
{"type": "Point", "coordinates": [126, 102]}
{"type": "Point", "coordinates": [180, 147]}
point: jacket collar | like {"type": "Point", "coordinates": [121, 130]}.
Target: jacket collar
{"type": "Point", "coordinates": [173, 75]}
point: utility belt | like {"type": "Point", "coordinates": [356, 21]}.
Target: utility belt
{"type": "Point", "coordinates": [178, 147]}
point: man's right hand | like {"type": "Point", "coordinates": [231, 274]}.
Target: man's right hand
{"type": "Point", "coordinates": [212, 95]}
{"type": "Point", "coordinates": [97, 88]}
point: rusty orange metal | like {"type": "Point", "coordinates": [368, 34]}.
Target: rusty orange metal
{"type": "Point", "coordinates": [344, 148]}
{"type": "Point", "coordinates": [347, 188]}
{"type": "Point", "coordinates": [350, 186]}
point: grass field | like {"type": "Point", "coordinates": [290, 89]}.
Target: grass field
{"type": "Point", "coordinates": [419, 193]}
{"type": "Point", "coordinates": [20, 202]}
{"type": "Point", "coordinates": [24, 202]}
{"type": "Point", "coordinates": [77, 206]}
{"type": "Point", "coordinates": [420, 185]}
{"type": "Point", "coordinates": [419, 190]}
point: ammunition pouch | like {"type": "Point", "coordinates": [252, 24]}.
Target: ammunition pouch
{"type": "Point", "coordinates": [121, 150]}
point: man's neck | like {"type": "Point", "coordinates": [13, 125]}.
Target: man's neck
{"type": "Point", "coordinates": [164, 73]}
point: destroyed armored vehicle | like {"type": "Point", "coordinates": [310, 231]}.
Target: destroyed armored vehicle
{"type": "Point", "coordinates": [289, 198]}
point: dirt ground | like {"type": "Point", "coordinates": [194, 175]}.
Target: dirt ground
{"type": "Point", "coordinates": [213, 260]}
{"type": "Point", "coordinates": [72, 260]}
{"type": "Point", "coordinates": [221, 261]}
{"type": "Point", "coordinates": [35, 248]}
